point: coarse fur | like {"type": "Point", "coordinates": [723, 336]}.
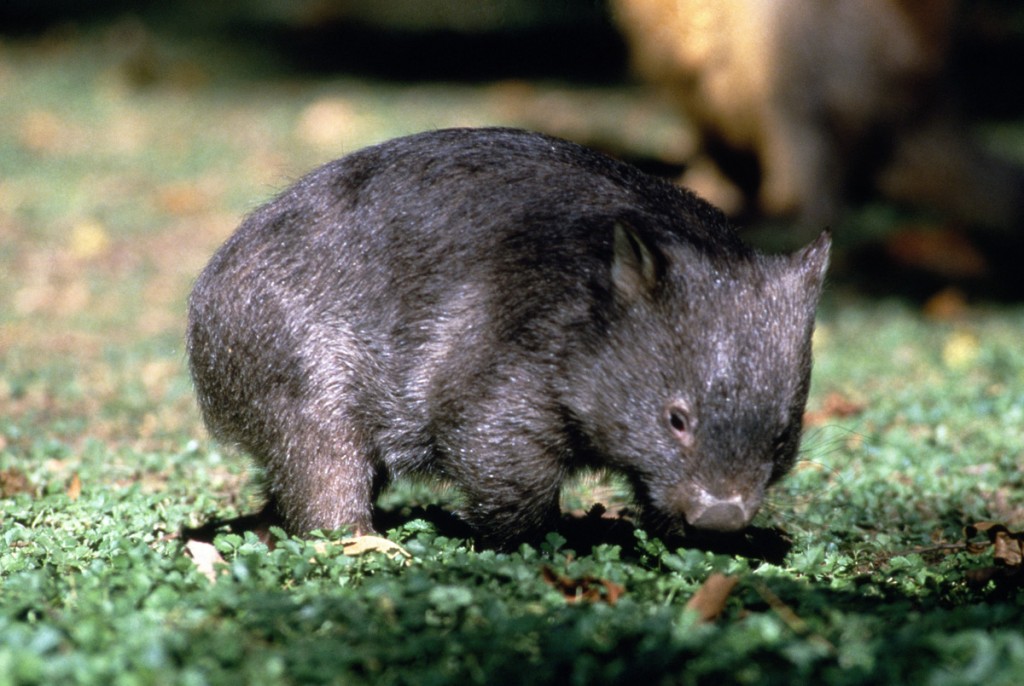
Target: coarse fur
{"type": "Point", "coordinates": [500, 309]}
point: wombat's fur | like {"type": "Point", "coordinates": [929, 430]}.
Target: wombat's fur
{"type": "Point", "coordinates": [500, 308]}
{"type": "Point", "coordinates": [831, 98]}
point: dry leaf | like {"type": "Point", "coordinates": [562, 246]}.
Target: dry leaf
{"type": "Point", "coordinates": [205, 556]}
{"type": "Point", "coordinates": [1007, 552]}
{"type": "Point", "coordinates": [360, 545]}
{"type": "Point", "coordinates": [75, 487]}
{"type": "Point", "coordinates": [834, 406]}
{"type": "Point", "coordinates": [710, 598]}
{"type": "Point", "coordinates": [588, 588]}
{"type": "Point", "coordinates": [1008, 547]}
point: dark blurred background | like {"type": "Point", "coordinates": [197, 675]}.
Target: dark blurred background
{"type": "Point", "coordinates": [576, 43]}
{"type": "Point", "coordinates": [409, 40]}
{"type": "Point", "coordinates": [403, 40]}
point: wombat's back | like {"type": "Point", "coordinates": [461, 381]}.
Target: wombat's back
{"type": "Point", "coordinates": [384, 239]}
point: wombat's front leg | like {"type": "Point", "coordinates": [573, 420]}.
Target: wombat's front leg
{"type": "Point", "coordinates": [511, 495]}
{"type": "Point", "coordinates": [321, 478]}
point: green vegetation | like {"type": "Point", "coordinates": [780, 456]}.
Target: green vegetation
{"type": "Point", "coordinates": [123, 164]}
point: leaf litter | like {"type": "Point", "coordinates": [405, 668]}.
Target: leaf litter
{"type": "Point", "coordinates": [710, 599]}
{"type": "Point", "coordinates": [1007, 549]}
{"type": "Point", "coordinates": [586, 588]}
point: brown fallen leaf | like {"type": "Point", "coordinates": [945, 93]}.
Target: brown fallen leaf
{"type": "Point", "coordinates": [75, 487]}
{"type": "Point", "coordinates": [206, 557]}
{"type": "Point", "coordinates": [709, 600]}
{"type": "Point", "coordinates": [1007, 547]}
{"type": "Point", "coordinates": [1007, 553]}
{"type": "Point", "coordinates": [361, 545]}
{"type": "Point", "coordinates": [835, 405]}
{"type": "Point", "coordinates": [586, 588]}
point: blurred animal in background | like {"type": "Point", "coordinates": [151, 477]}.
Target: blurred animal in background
{"type": "Point", "coordinates": [805, 105]}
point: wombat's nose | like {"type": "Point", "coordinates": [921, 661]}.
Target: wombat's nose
{"type": "Point", "coordinates": [711, 513]}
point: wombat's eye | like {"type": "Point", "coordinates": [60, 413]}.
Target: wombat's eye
{"type": "Point", "coordinates": [679, 422]}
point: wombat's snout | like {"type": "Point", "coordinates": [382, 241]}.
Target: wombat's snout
{"type": "Point", "coordinates": [708, 512]}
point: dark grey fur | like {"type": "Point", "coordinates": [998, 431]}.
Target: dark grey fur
{"type": "Point", "coordinates": [499, 309]}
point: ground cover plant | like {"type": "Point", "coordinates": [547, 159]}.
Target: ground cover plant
{"type": "Point", "coordinates": [125, 160]}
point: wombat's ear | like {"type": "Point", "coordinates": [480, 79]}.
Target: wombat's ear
{"type": "Point", "coordinates": [811, 261]}
{"type": "Point", "coordinates": [634, 264]}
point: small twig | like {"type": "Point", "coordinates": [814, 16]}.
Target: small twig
{"type": "Point", "coordinates": [791, 619]}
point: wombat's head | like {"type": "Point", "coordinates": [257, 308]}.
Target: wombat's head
{"type": "Point", "coordinates": [697, 387]}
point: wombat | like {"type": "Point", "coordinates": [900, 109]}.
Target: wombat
{"type": "Point", "coordinates": [500, 309]}
{"type": "Point", "coordinates": [831, 100]}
